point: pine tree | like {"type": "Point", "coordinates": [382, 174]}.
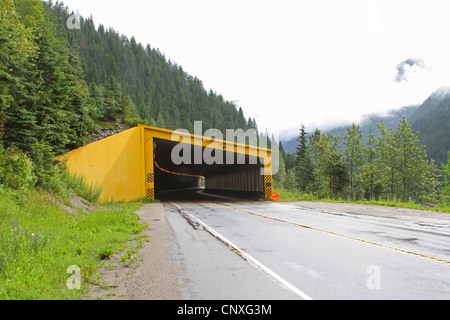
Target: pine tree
{"type": "Point", "coordinates": [371, 183]}
{"type": "Point", "coordinates": [353, 155]}
{"type": "Point", "coordinates": [403, 165]}
{"type": "Point", "coordinates": [417, 177]}
{"type": "Point", "coordinates": [290, 182]}
{"type": "Point", "coordinates": [17, 51]}
{"type": "Point", "coordinates": [445, 184]}
{"type": "Point", "coordinates": [387, 161]}
{"type": "Point", "coordinates": [330, 166]}
{"type": "Point", "coordinates": [280, 177]}
{"type": "Point", "coordinates": [300, 155]}
{"type": "Point", "coordinates": [160, 123]}
{"type": "Point", "coordinates": [45, 117]}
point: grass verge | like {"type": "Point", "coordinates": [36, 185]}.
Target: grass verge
{"type": "Point", "coordinates": [39, 242]}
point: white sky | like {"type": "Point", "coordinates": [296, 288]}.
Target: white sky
{"type": "Point", "coordinates": [287, 63]}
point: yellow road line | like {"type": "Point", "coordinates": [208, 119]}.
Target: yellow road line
{"type": "Point", "coordinates": [421, 255]}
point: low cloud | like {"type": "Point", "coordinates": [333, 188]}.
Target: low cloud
{"type": "Point", "coordinates": [407, 69]}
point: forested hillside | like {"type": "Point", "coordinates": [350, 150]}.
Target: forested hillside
{"type": "Point", "coordinates": [158, 90]}
{"type": "Point", "coordinates": [59, 84]}
{"type": "Point", "coordinates": [432, 121]}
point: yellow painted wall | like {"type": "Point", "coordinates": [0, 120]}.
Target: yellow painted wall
{"type": "Point", "coordinates": [121, 166]}
{"type": "Point", "coordinates": [116, 163]}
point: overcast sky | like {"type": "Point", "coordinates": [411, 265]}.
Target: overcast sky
{"type": "Point", "coordinates": [287, 63]}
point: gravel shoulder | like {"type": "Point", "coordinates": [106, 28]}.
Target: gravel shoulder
{"type": "Point", "coordinates": [153, 276]}
{"type": "Point", "coordinates": [373, 210]}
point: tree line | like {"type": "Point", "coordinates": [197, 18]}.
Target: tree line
{"type": "Point", "coordinates": [392, 165]}
{"type": "Point", "coordinates": [156, 90]}
{"type": "Point", "coordinates": [57, 85]}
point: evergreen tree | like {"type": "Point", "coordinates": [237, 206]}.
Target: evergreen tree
{"type": "Point", "coordinates": [354, 157]}
{"type": "Point", "coordinates": [46, 115]}
{"type": "Point", "coordinates": [410, 155]}
{"type": "Point", "coordinates": [160, 123]}
{"type": "Point", "coordinates": [417, 177]}
{"type": "Point", "coordinates": [330, 166]}
{"type": "Point", "coordinates": [304, 164]}
{"type": "Point", "coordinates": [17, 51]}
{"type": "Point", "coordinates": [290, 182]}
{"type": "Point", "coordinates": [300, 155]}
{"type": "Point", "coordinates": [387, 158]}
{"type": "Point", "coordinates": [403, 166]}
{"type": "Point", "coordinates": [280, 176]}
{"type": "Point", "coordinates": [445, 184]}
{"type": "Point", "coordinates": [371, 183]}
{"type": "Point", "coordinates": [289, 161]}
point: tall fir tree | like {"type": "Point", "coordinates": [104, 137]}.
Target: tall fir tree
{"type": "Point", "coordinates": [354, 157]}
{"type": "Point", "coordinates": [300, 154]}
{"type": "Point", "coordinates": [17, 52]}
{"type": "Point", "coordinates": [371, 182]}
{"type": "Point", "coordinates": [330, 165]}
{"type": "Point", "coordinates": [387, 158]}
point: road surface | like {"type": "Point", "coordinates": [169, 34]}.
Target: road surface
{"type": "Point", "coordinates": [244, 249]}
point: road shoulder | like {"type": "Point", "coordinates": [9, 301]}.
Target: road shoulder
{"type": "Point", "coordinates": [374, 210]}
{"type": "Point", "coordinates": [153, 276]}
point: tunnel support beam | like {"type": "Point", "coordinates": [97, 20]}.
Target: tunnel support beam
{"type": "Point", "coordinates": [149, 168]}
{"type": "Point", "coordinates": [268, 183]}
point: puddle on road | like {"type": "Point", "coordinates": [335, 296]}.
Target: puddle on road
{"type": "Point", "coordinates": [404, 240]}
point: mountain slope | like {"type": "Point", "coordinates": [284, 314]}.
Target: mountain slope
{"type": "Point", "coordinates": [431, 119]}
{"type": "Point", "coordinates": [160, 91]}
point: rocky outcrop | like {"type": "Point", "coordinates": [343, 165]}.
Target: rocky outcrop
{"type": "Point", "coordinates": [104, 133]}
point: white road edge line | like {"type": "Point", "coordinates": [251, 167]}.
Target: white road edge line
{"type": "Point", "coordinates": [249, 257]}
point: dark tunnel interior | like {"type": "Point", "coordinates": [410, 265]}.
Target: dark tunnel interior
{"type": "Point", "coordinates": [222, 177]}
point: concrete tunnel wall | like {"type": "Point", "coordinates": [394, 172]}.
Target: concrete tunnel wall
{"type": "Point", "coordinates": [246, 182]}
{"type": "Point", "coordinates": [123, 165]}
{"type": "Point", "coordinates": [115, 163]}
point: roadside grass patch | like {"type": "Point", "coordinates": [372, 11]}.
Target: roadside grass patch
{"type": "Point", "coordinates": [65, 184]}
{"type": "Point", "coordinates": [39, 242]}
{"type": "Point", "coordinates": [290, 195]}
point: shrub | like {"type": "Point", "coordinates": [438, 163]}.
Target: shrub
{"type": "Point", "coordinates": [105, 252]}
{"type": "Point", "coordinates": [16, 169]}
{"type": "Point", "coordinates": [133, 122]}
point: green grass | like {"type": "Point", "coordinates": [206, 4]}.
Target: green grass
{"type": "Point", "coordinates": [290, 196]}
{"type": "Point", "coordinates": [39, 242]}
{"type": "Point", "coordinates": [65, 184]}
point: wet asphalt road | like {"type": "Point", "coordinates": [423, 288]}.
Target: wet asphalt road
{"type": "Point", "coordinates": [258, 250]}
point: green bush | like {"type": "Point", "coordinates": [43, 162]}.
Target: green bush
{"type": "Point", "coordinates": [133, 122]}
{"type": "Point", "coordinates": [16, 169]}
